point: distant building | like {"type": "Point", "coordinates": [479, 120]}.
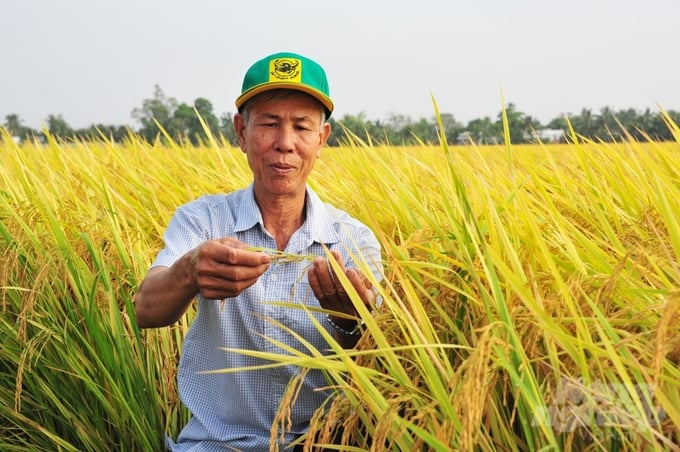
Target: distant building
{"type": "Point", "coordinates": [464, 138]}
{"type": "Point", "coordinates": [467, 137]}
{"type": "Point", "coordinates": [550, 135]}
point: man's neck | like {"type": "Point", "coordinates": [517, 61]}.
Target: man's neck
{"type": "Point", "coordinates": [282, 217]}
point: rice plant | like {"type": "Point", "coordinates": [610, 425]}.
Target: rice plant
{"type": "Point", "coordinates": [531, 298]}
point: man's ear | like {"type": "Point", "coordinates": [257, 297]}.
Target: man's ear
{"type": "Point", "coordinates": [239, 128]}
{"type": "Point", "coordinates": [325, 133]}
{"type": "Point", "coordinates": [323, 137]}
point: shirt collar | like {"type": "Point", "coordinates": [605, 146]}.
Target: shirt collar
{"type": "Point", "coordinates": [319, 226]}
{"type": "Point", "coordinates": [248, 212]}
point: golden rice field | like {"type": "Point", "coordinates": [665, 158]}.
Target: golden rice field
{"type": "Point", "coordinates": [531, 298]}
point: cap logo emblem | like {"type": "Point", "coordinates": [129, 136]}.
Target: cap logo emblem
{"type": "Point", "coordinates": [287, 69]}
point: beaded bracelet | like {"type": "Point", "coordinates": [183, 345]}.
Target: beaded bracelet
{"type": "Point", "coordinates": [356, 331]}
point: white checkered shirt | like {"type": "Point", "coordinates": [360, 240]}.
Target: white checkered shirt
{"type": "Point", "coordinates": [235, 411]}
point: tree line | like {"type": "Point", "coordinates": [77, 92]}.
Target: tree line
{"type": "Point", "coordinates": [162, 117]}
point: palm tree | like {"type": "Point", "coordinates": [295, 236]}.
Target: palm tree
{"type": "Point", "coordinates": [13, 125]}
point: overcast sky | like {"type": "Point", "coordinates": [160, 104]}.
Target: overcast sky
{"type": "Point", "coordinates": [95, 61]}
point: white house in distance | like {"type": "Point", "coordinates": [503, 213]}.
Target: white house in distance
{"type": "Point", "coordinates": [549, 135]}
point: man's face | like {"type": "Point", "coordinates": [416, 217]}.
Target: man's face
{"type": "Point", "coordinates": [282, 139]}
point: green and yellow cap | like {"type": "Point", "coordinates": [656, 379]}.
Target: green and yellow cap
{"type": "Point", "coordinates": [286, 70]}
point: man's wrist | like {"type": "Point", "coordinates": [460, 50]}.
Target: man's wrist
{"type": "Point", "coordinates": [343, 327]}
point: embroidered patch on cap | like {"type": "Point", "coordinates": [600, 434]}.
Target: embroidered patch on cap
{"type": "Point", "coordinates": [285, 69]}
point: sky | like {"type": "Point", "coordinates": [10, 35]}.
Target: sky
{"type": "Point", "coordinates": [94, 61]}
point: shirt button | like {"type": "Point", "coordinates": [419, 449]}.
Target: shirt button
{"type": "Point", "coordinates": [274, 277]}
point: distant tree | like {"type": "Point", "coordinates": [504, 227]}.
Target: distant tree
{"type": "Point", "coordinates": [648, 124]}
{"type": "Point", "coordinates": [583, 123]}
{"type": "Point", "coordinates": [357, 125]}
{"type": "Point", "coordinates": [645, 122]}
{"type": "Point", "coordinates": [96, 132]}
{"type": "Point", "coordinates": [226, 129]}
{"type": "Point", "coordinates": [182, 124]}
{"type": "Point", "coordinates": [483, 131]}
{"type": "Point", "coordinates": [159, 109]}
{"type": "Point", "coordinates": [204, 108]}
{"type": "Point", "coordinates": [350, 126]}
{"type": "Point", "coordinates": [58, 127]}
{"type": "Point", "coordinates": [396, 129]}
{"type": "Point", "coordinates": [606, 127]}
{"type": "Point", "coordinates": [398, 121]}
{"type": "Point", "coordinates": [423, 130]}
{"type": "Point", "coordinates": [609, 125]}
{"type": "Point", "coordinates": [628, 121]}
{"type": "Point", "coordinates": [662, 130]}
{"type": "Point", "coordinates": [14, 125]}
{"type": "Point", "coordinates": [452, 128]}
{"type": "Point", "coordinates": [186, 121]}
{"type": "Point", "coordinates": [559, 122]}
{"type": "Point", "coordinates": [336, 133]}
{"type": "Point", "coordinates": [587, 123]}
{"type": "Point", "coordinates": [520, 125]}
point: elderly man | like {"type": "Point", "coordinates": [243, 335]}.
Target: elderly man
{"type": "Point", "coordinates": [214, 252]}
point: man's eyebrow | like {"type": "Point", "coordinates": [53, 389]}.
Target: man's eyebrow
{"type": "Point", "coordinates": [268, 115]}
{"type": "Point", "coordinates": [303, 118]}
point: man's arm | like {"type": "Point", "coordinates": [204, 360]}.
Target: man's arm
{"type": "Point", "coordinates": [217, 269]}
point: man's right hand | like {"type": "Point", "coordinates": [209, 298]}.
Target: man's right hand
{"type": "Point", "coordinates": [224, 268]}
{"type": "Point", "coordinates": [217, 269]}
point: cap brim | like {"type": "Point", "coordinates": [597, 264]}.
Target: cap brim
{"type": "Point", "coordinates": [325, 101]}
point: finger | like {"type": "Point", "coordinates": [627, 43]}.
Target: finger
{"type": "Point", "coordinates": [230, 265]}
{"type": "Point", "coordinates": [233, 254]}
{"type": "Point", "coordinates": [362, 285]}
{"type": "Point", "coordinates": [324, 285]}
{"type": "Point", "coordinates": [226, 280]}
{"type": "Point", "coordinates": [218, 288]}
{"type": "Point", "coordinates": [332, 272]}
{"type": "Point", "coordinates": [325, 281]}
{"type": "Point", "coordinates": [338, 258]}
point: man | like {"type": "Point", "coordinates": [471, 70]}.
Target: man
{"type": "Point", "coordinates": [214, 252]}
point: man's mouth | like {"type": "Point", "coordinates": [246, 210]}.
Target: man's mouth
{"type": "Point", "coordinates": [282, 168]}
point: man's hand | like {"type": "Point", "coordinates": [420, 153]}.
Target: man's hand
{"type": "Point", "coordinates": [332, 295]}
{"type": "Point", "coordinates": [224, 268]}
{"type": "Point", "coordinates": [216, 269]}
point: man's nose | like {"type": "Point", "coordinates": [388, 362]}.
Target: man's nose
{"type": "Point", "coordinates": [285, 139]}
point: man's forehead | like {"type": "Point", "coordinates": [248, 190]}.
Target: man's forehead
{"type": "Point", "coordinates": [279, 109]}
{"type": "Point", "coordinates": [302, 100]}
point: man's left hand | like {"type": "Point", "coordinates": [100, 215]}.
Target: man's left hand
{"type": "Point", "coordinates": [330, 293]}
